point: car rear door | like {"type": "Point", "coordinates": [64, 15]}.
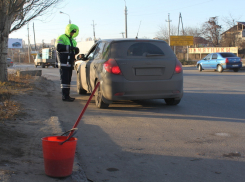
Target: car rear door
{"type": "Point", "coordinates": [141, 60]}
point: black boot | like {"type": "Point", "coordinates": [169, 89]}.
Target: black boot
{"type": "Point", "coordinates": [68, 99]}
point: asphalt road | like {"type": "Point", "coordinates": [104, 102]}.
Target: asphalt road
{"type": "Point", "coordinates": [201, 139]}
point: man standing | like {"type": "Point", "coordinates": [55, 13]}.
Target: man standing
{"type": "Point", "coordinates": [66, 47]}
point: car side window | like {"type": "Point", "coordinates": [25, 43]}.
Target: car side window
{"type": "Point", "coordinates": [214, 56]}
{"type": "Point", "coordinates": [207, 57]}
{"type": "Point", "coordinates": [106, 51]}
{"type": "Point", "coordinates": [98, 51]}
{"type": "Point", "coordinates": [91, 54]}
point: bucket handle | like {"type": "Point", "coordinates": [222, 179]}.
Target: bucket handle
{"type": "Point", "coordinates": [75, 129]}
{"type": "Point", "coordinates": [69, 131]}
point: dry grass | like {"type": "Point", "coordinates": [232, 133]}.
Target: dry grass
{"type": "Point", "coordinates": [9, 108]}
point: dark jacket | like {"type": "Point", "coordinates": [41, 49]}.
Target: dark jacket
{"type": "Point", "coordinates": [66, 48]}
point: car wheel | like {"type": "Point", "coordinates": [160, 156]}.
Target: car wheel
{"type": "Point", "coordinates": [36, 66]}
{"type": "Point", "coordinates": [98, 98]}
{"type": "Point", "coordinates": [199, 67]}
{"type": "Point", "coordinates": [236, 69]}
{"type": "Point", "coordinates": [220, 68]}
{"type": "Point", "coordinates": [80, 89]}
{"type": "Point", "coordinates": [172, 101]}
{"type": "Point", "coordinates": [43, 65]}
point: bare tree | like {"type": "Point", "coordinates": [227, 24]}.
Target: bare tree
{"type": "Point", "coordinates": [211, 31]}
{"type": "Point", "coordinates": [163, 32]}
{"type": "Point", "coordinates": [190, 31]}
{"type": "Point", "coordinates": [14, 14]}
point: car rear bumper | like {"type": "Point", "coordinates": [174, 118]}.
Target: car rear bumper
{"type": "Point", "coordinates": [232, 65]}
{"type": "Point", "coordinates": [122, 89]}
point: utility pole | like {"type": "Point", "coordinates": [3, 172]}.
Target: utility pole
{"type": "Point", "coordinates": [180, 19]}
{"type": "Point", "coordinates": [29, 56]}
{"type": "Point", "coordinates": [183, 33]}
{"type": "Point", "coordinates": [126, 28]}
{"type": "Point", "coordinates": [168, 28]}
{"type": "Point", "coordinates": [34, 37]}
{"type": "Point", "coordinates": [94, 30]}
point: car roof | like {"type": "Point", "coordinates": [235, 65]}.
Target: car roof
{"type": "Point", "coordinates": [130, 39]}
{"type": "Point", "coordinates": [220, 52]}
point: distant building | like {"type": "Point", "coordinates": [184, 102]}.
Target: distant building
{"type": "Point", "coordinates": [200, 42]}
{"type": "Point", "coordinates": [89, 39]}
{"type": "Point", "coordinates": [53, 42]}
{"type": "Point", "coordinates": [234, 36]}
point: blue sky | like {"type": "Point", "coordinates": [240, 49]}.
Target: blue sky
{"type": "Point", "coordinates": [109, 17]}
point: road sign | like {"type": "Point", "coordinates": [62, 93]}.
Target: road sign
{"type": "Point", "coordinates": [181, 40]}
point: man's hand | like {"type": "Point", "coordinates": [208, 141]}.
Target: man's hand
{"type": "Point", "coordinates": [76, 50]}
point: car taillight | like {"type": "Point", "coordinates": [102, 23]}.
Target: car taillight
{"type": "Point", "coordinates": [112, 67]}
{"type": "Point", "coordinates": [11, 62]}
{"type": "Point", "coordinates": [226, 60]}
{"type": "Point", "coordinates": [178, 67]}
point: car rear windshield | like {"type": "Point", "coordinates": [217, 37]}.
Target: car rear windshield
{"type": "Point", "coordinates": [146, 49]}
{"type": "Point", "coordinates": [141, 49]}
{"type": "Point", "coordinates": [226, 55]}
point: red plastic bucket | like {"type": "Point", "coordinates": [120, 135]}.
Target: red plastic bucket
{"type": "Point", "coordinates": [58, 159]}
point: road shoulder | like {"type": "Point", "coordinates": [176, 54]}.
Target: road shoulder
{"type": "Point", "coordinates": [21, 148]}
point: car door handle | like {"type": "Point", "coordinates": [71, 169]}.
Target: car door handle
{"type": "Point", "coordinates": [94, 67]}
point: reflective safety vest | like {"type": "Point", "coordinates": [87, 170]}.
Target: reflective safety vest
{"type": "Point", "coordinates": [64, 47]}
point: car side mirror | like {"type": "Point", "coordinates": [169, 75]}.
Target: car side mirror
{"type": "Point", "coordinates": [81, 57]}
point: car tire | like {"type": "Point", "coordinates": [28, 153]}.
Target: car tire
{"type": "Point", "coordinates": [98, 98]}
{"type": "Point", "coordinates": [43, 65]}
{"type": "Point", "coordinates": [219, 68]}
{"type": "Point", "coordinates": [199, 67]}
{"type": "Point", "coordinates": [236, 69]}
{"type": "Point", "coordinates": [80, 89]}
{"type": "Point", "coordinates": [172, 101]}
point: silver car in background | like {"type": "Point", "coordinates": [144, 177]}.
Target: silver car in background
{"type": "Point", "coordinates": [131, 69]}
{"type": "Point", "coordinates": [10, 63]}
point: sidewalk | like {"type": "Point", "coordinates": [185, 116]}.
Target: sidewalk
{"type": "Point", "coordinates": [21, 156]}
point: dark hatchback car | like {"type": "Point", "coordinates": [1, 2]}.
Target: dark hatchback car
{"type": "Point", "coordinates": [131, 69]}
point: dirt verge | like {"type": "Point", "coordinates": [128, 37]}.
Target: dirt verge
{"type": "Point", "coordinates": [21, 157]}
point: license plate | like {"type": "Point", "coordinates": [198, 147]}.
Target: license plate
{"type": "Point", "coordinates": [235, 65]}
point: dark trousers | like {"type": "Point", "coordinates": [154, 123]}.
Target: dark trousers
{"type": "Point", "coordinates": [65, 79]}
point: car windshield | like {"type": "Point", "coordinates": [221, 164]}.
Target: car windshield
{"type": "Point", "coordinates": [228, 54]}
